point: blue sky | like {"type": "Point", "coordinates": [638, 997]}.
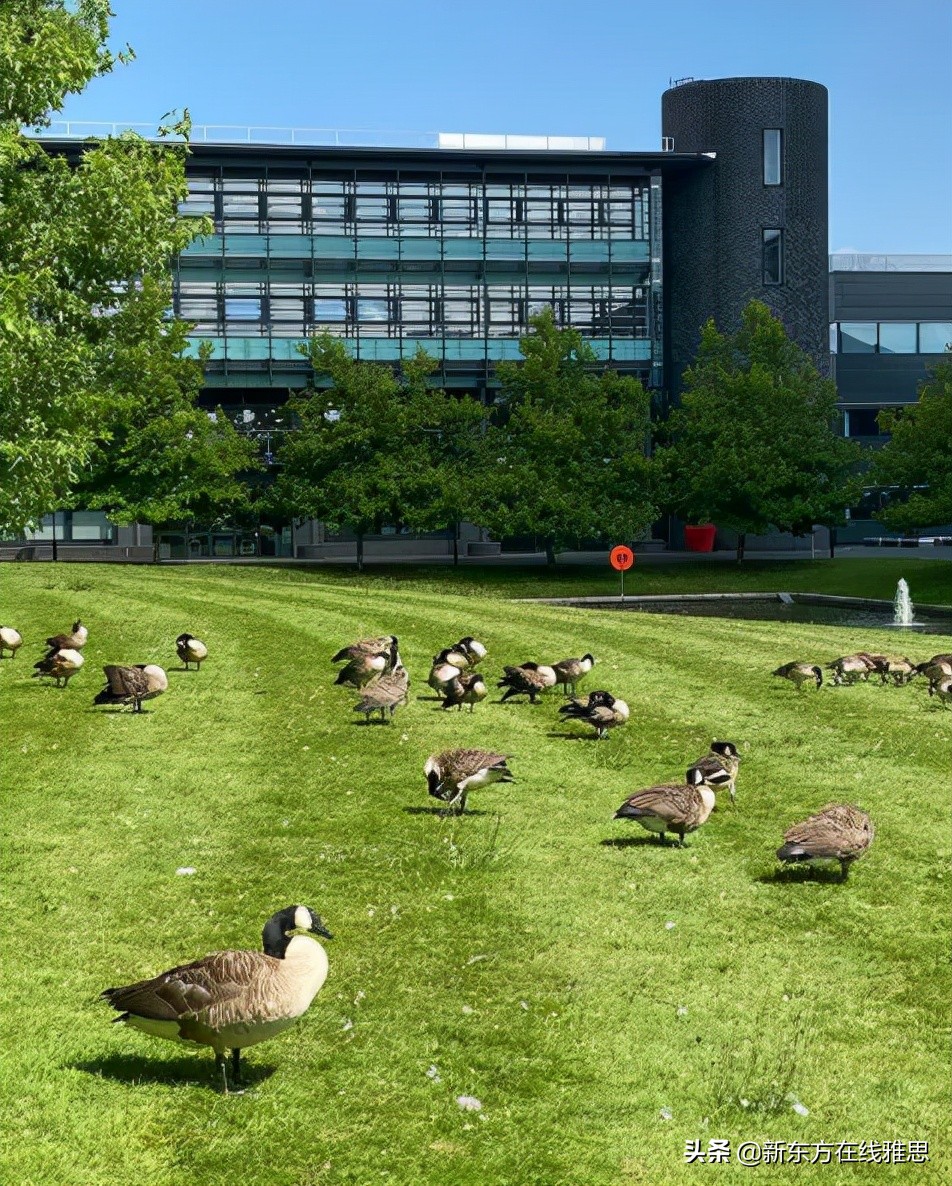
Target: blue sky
{"type": "Point", "coordinates": [563, 67]}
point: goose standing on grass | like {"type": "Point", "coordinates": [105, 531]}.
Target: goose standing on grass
{"type": "Point", "coordinates": [837, 832]}
{"type": "Point", "coordinates": [899, 669]}
{"type": "Point", "coordinates": [366, 664]}
{"type": "Point", "coordinates": [800, 673]}
{"type": "Point", "coordinates": [69, 642]}
{"type": "Point", "coordinates": [848, 669]}
{"type": "Point", "coordinates": [191, 650]}
{"type": "Point", "coordinates": [10, 640]}
{"type": "Point", "coordinates": [443, 672]}
{"type": "Point", "coordinates": [944, 658]}
{"type": "Point", "coordinates": [233, 999]}
{"type": "Point", "coordinates": [600, 709]}
{"type": "Point", "coordinates": [387, 644]}
{"type": "Point", "coordinates": [569, 671]}
{"type": "Point", "coordinates": [384, 695]}
{"type": "Point", "coordinates": [59, 665]}
{"type": "Point", "coordinates": [942, 687]}
{"type": "Point", "coordinates": [719, 766]}
{"type": "Point", "coordinates": [132, 685]}
{"type": "Point", "coordinates": [671, 807]}
{"type": "Point", "coordinates": [528, 679]}
{"type": "Point", "coordinates": [451, 775]}
{"type": "Point", "coordinates": [465, 689]}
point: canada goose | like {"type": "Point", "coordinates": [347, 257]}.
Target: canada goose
{"type": "Point", "coordinates": [600, 709]}
{"type": "Point", "coordinates": [799, 673]}
{"type": "Point", "coordinates": [465, 689]}
{"type": "Point", "coordinates": [451, 775]}
{"type": "Point", "coordinates": [388, 644]}
{"type": "Point", "coordinates": [366, 665]}
{"type": "Point", "coordinates": [935, 668]}
{"type": "Point", "coordinates": [942, 688]}
{"type": "Point", "coordinates": [132, 685]}
{"type": "Point", "coordinates": [443, 672]}
{"type": "Point", "coordinates": [849, 668]}
{"type": "Point", "coordinates": [528, 679]}
{"type": "Point", "coordinates": [945, 658]}
{"type": "Point", "coordinates": [838, 831]}
{"type": "Point", "coordinates": [472, 649]}
{"type": "Point", "coordinates": [232, 999]}
{"type": "Point", "coordinates": [385, 694]}
{"type": "Point", "coordinates": [873, 662]}
{"type": "Point", "coordinates": [569, 671]}
{"type": "Point", "coordinates": [671, 807]}
{"type": "Point", "coordinates": [60, 665]}
{"type": "Point", "coordinates": [719, 767]}
{"type": "Point", "coordinates": [899, 669]}
{"type": "Point", "coordinates": [10, 640]}
{"type": "Point", "coordinates": [69, 642]}
{"type": "Point", "coordinates": [191, 650]}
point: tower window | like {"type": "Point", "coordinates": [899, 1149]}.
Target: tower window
{"type": "Point", "coordinates": [773, 256]}
{"type": "Point", "coordinates": [773, 159]}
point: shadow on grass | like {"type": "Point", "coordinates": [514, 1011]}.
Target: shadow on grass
{"type": "Point", "coordinates": [575, 736]}
{"type": "Point", "coordinates": [176, 1072]}
{"type": "Point", "coordinates": [112, 711]}
{"type": "Point", "coordinates": [375, 721]}
{"type": "Point", "coordinates": [794, 875]}
{"type": "Point", "coordinates": [431, 699]}
{"type": "Point", "coordinates": [446, 812]}
{"type": "Point", "coordinates": [639, 842]}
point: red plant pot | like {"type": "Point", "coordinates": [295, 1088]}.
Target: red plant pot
{"type": "Point", "coordinates": [699, 538]}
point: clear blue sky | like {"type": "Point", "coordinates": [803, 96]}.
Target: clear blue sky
{"type": "Point", "coordinates": [564, 67]}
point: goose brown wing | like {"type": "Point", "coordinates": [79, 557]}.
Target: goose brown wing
{"type": "Point", "coordinates": [678, 805]}
{"type": "Point", "coordinates": [467, 762]}
{"type": "Point", "coordinates": [713, 768]}
{"type": "Point", "coordinates": [126, 681]}
{"type": "Point", "coordinates": [835, 831]}
{"type": "Point", "coordinates": [191, 990]}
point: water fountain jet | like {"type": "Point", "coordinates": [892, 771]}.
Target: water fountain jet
{"type": "Point", "coordinates": [903, 609]}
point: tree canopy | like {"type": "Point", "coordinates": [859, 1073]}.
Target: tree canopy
{"type": "Point", "coordinates": [85, 285]}
{"type": "Point", "coordinates": [753, 446]}
{"type": "Point", "coordinates": [565, 456]}
{"type": "Point", "coordinates": [918, 457]}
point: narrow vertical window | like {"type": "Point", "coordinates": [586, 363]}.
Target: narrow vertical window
{"type": "Point", "coordinates": [773, 257]}
{"type": "Point", "coordinates": [773, 169]}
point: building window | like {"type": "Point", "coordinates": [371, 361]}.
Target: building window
{"type": "Point", "coordinates": [773, 256]}
{"type": "Point", "coordinates": [242, 308]}
{"type": "Point", "coordinates": [935, 337]}
{"type": "Point", "coordinates": [897, 337]}
{"type": "Point", "coordinates": [773, 159]}
{"type": "Point", "coordinates": [858, 337]}
{"type": "Point", "coordinates": [862, 422]}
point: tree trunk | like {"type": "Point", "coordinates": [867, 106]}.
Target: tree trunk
{"type": "Point", "coordinates": [360, 551]}
{"type": "Point", "coordinates": [55, 554]}
{"type": "Point", "coordinates": [741, 541]}
{"type": "Point", "coordinates": [550, 550]}
{"type": "Point", "coordinates": [456, 543]}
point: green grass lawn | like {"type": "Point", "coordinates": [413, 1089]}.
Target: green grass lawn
{"type": "Point", "coordinates": [525, 951]}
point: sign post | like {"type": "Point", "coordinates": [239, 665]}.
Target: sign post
{"type": "Point", "coordinates": [621, 559]}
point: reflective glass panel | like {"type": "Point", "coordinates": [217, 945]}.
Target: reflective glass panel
{"type": "Point", "coordinates": [773, 257]}
{"type": "Point", "coordinates": [897, 337]}
{"type": "Point", "coordinates": [242, 308]}
{"type": "Point", "coordinates": [858, 337]}
{"type": "Point", "coordinates": [327, 309]}
{"type": "Point", "coordinates": [934, 336]}
{"type": "Point", "coordinates": [772, 164]}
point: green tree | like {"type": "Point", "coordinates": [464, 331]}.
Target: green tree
{"type": "Point", "coordinates": [565, 456]}
{"type": "Point", "coordinates": [371, 450]}
{"type": "Point", "coordinates": [918, 458]}
{"type": "Point", "coordinates": [753, 445]}
{"type": "Point", "coordinates": [85, 247]}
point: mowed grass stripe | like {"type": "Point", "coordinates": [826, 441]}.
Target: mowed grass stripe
{"type": "Point", "coordinates": [491, 915]}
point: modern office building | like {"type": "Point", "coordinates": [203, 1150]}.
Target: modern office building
{"type": "Point", "coordinates": [453, 248]}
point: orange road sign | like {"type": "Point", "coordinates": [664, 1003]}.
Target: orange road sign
{"type": "Point", "coordinates": [621, 558]}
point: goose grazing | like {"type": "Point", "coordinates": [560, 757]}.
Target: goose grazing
{"type": "Point", "coordinates": [899, 669]}
{"type": "Point", "coordinates": [601, 710]}
{"type": "Point", "coordinates": [443, 672]}
{"type": "Point", "coordinates": [935, 668]}
{"type": "Point", "coordinates": [474, 650]}
{"type": "Point", "coordinates": [719, 766]}
{"type": "Point", "coordinates": [569, 671]}
{"type": "Point", "coordinates": [837, 832]}
{"type": "Point", "coordinates": [850, 668]}
{"type": "Point", "coordinates": [365, 664]}
{"type": "Point", "coordinates": [945, 658]}
{"type": "Point", "coordinates": [451, 775]}
{"type": "Point", "coordinates": [233, 999]}
{"type": "Point", "coordinates": [10, 640]}
{"type": "Point", "coordinates": [528, 679]}
{"type": "Point", "coordinates": [942, 687]}
{"type": "Point", "coordinates": [132, 685]}
{"type": "Point", "coordinates": [384, 695]}
{"type": "Point", "coordinates": [59, 665]}
{"type": "Point", "coordinates": [671, 807]}
{"type": "Point", "coordinates": [191, 650]}
{"type": "Point", "coordinates": [465, 689]}
{"type": "Point", "coordinates": [799, 673]}
{"type": "Point", "coordinates": [69, 642]}
{"type": "Point", "coordinates": [387, 644]}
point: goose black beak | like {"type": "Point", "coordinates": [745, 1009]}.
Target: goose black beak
{"type": "Point", "coordinates": [319, 929]}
